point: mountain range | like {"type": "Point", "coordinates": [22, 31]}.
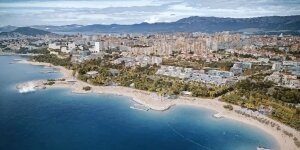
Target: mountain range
{"type": "Point", "coordinates": [25, 31]}
{"type": "Point", "coordinates": [270, 24]}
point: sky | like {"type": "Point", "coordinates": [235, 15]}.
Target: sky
{"type": "Point", "coordinates": [83, 12]}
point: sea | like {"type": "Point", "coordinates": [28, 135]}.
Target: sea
{"type": "Point", "coordinates": [57, 119]}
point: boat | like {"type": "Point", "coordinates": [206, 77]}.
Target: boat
{"type": "Point", "coordinates": [262, 148]}
{"type": "Point", "coordinates": [218, 115]}
{"type": "Point", "coordinates": [18, 59]}
{"type": "Point", "coordinates": [139, 107]}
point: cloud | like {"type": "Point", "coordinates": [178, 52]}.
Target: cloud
{"type": "Point", "coordinates": [80, 4]}
{"type": "Point", "coordinates": [60, 12]}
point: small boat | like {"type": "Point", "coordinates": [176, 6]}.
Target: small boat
{"type": "Point", "coordinates": [262, 148]}
{"type": "Point", "coordinates": [218, 115]}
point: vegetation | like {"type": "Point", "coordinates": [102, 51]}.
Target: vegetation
{"type": "Point", "coordinates": [295, 53]}
{"type": "Point", "coordinates": [62, 79]}
{"type": "Point", "coordinates": [288, 134]}
{"type": "Point", "coordinates": [244, 55]}
{"type": "Point", "coordinates": [250, 93]}
{"type": "Point", "coordinates": [273, 49]}
{"type": "Point", "coordinates": [35, 51]}
{"type": "Point", "coordinates": [198, 64]}
{"type": "Point", "coordinates": [225, 66]}
{"type": "Point", "coordinates": [50, 83]}
{"type": "Point", "coordinates": [229, 107]}
{"type": "Point", "coordinates": [256, 69]}
{"type": "Point", "coordinates": [143, 78]}
{"type": "Point", "coordinates": [87, 88]}
{"type": "Point", "coordinates": [297, 142]}
{"type": "Point", "coordinates": [185, 63]}
{"type": "Point", "coordinates": [53, 59]}
{"type": "Point", "coordinates": [255, 92]}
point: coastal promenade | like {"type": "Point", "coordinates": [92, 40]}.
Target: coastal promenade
{"type": "Point", "coordinates": [157, 103]}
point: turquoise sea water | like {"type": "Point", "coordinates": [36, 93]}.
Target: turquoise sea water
{"type": "Point", "coordinates": [55, 119]}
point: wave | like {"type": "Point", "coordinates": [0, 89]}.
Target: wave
{"type": "Point", "coordinates": [27, 88]}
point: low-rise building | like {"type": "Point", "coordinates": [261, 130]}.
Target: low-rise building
{"type": "Point", "coordinates": [92, 74]}
{"type": "Point", "coordinates": [223, 74]}
{"type": "Point", "coordinates": [214, 77]}
{"type": "Point", "coordinates": [54, 46]}
{"type": "Point", "coordinates": [243, 65]}
{"type": "Point", "coordinates": [276, 66]}
{"type": "Point", "coordinates": [139, 61]}
{"type": "Point", "coordinates": [284, 80]}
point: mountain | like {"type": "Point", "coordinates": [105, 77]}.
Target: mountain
{"type": "Point", "coordinates": [257, 25]}
{"type": "Point", "coordinates": [25, 31]}
{"type": "Point", "coordinates": [57, 28]}
{"type": "Point", "coordinates": [213, 24]}
{"type": "Point", "coordinates": [7, 28]}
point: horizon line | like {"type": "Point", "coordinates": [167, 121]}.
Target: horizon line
{"type": "Point", "coordinates": [156, 22]}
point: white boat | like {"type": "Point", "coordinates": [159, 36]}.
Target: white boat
{"type": "Point", "coordinates": [262, 148]}
{"type": "Point", "coordinates": [218, 115]}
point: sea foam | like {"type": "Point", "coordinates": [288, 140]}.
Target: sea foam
{"type": "Point", "coordinates": [26, 87]}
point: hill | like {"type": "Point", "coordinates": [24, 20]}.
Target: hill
{"type": "Point", "coordinates": [7, 28]}
{"type": "Point", "coordinates": [194, 24]}
{"type": "Point", "coordinates": [25, 31]}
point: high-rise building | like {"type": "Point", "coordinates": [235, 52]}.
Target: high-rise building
{"type": "Point", "coordinates": [97, 47]}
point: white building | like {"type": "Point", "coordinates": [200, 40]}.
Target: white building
{"type": "Point", "coordinates": [53, 46]}
{"type": "Point", "coordinates": [214, 77]}
{"type": "Point", "coordinates": [71, 46]}
{"type": "Point", "coordinates": [289, 63]}
{"type": "Point", "coordinates": [263, 60]}
{"type": "Point", "coordinates": [97, 47]}
{"type": "Point", "coordinates": [65, 49]}
{"type": "Point", "coordinates": [243, 65]}
{"type": "Point", "coordinates": [289, 81]}
{"type": "Point", "coordinates": [156, 60]}
{"type": "Point", "coordinates": [92, 74]}
{"type": "Point", "coordinates": [276, 66]}
{"type": "Point", "coordinates": [223, 74]}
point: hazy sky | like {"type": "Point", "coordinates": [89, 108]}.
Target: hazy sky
{"type": "Point", "coordinates": [62, 12]}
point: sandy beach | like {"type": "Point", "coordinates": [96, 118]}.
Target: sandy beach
{"type": "Point", "coordinates": [155, 102]}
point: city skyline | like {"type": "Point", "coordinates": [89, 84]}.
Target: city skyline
{"type": "Point", "coordinates": [57, 12]}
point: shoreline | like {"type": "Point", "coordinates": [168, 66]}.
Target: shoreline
{"type": "Point", "coordinates": [16, 54]}
{"type": "Point", "coordinates": [284, 142]}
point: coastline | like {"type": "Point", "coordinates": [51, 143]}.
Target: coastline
{"type": "Point", "coordinates": [16, 54]}
{"type": "Point", "coordinates": [156, 103]}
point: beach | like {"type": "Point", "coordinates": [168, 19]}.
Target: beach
{"type": "Point", "coordinates": [155, 102]}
